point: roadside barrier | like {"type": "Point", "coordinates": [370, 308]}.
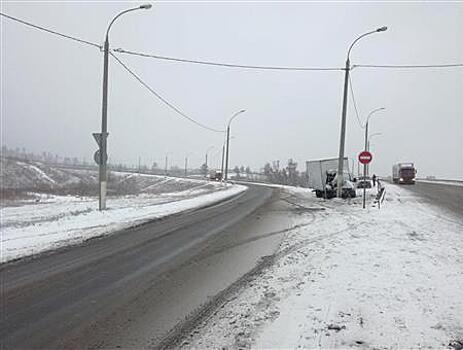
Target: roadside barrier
{"type": "Point", "coordinates": [380, 196]}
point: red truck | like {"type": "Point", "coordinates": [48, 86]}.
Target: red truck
{"type": "Point", "coordinates": [403, 173]}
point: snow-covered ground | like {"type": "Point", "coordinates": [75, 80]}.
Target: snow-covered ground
{"type": "Point", "coordinates": [56, 221]}
{"type": "Point", "coordinates": [345, 277]}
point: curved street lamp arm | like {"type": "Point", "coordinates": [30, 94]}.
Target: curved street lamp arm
{"type": "Point", "coordinates": [381, 29]}
{"type": "Point", "coordinates": [373, 112]}
{"type": "Point", "coordinates": [235, 115]}
{"type": "Point", "coordinates": [141, 7]}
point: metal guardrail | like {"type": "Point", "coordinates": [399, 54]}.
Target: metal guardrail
{"type": "Point", "coordinates": [380, 196]}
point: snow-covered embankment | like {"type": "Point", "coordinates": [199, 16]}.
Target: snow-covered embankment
{"type": "Point", "coordinates": [58, 221]}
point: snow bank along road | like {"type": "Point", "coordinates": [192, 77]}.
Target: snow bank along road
{"type": "Point", "coordinates": [349, 278]}
{"type": "Point", "coordinates": [58, 221]}
{"type": "Point", "coordinates": [87, 295]}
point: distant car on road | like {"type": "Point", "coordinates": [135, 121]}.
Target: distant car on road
{"type": "Point", "coordinates": [215, 175]}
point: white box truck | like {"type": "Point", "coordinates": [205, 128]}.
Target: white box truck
{"type": "Point", "coordinates": [322, 178]}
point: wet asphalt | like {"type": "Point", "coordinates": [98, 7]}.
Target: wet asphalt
{"type": "Point", "coordinates": [87, 295]}
{"type": "Point", "coordinates": [447, 197]}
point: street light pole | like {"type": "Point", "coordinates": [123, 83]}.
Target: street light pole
{"type": "Point", "coordinates": [228, 141]}
{"type": "Point", "coordinates": [165, 166]}
{"type": "Point", "coordinates": [207, 151]}
{"type": "Point", "coordinates": [344, 112]}
{"type": "Point", "coordinates": [366, 149]}
{"type": "Point", "coordinates": [102, 138]}
{"type": "Point", "coordinates": [365, 169]}
{"type": "Point", "coordinates": [223, 158]}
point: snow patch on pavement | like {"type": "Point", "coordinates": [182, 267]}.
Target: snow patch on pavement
{"type": "Point", "coordinates": [345, 277]}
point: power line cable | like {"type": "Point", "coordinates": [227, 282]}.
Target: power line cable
{"type": "Point", "coordinates": [408, 66]}
{"type": "Point", "coordinates": [230, 65]}
{"type": "Point", "coordinates": [162, 98]}
{"type": "Point", "coordinates": [354, 102]}
{"type": "Point", "coordinates": [227, 65]}
{"type": "Point", "coordinates": [50, 31]}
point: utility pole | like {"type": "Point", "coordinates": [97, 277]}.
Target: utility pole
{"type": "Point", "coordinates": [207, 151]}
{"type": "Point", "coordinates": [368, 165]}
{"type": "Point", "coordinates": [365, 167]}
{"type": "Point", "coordinates": [228, 140]}
{"type": "Point", "coordinates": [103, 136]}
{"type": "Point", "coordinates": [340, 172]}
{"type": "Point", "coordinates": [343, 130]}
{"type": "Point", "coordinates": [186, 165]}
{"type": "Point", "coordinates": [223, 158]}
{"type": "Point", "coordinates": [165, 167]}
{"type": "Point", "coordinates": [103, 175]}
{"type": "Point", "coordinates": [228, 147]}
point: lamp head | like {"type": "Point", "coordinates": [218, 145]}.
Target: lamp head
{"type": "Point", "coordinates": [382, 29]}
{"type": "Point", "coordinates": [146, 6]}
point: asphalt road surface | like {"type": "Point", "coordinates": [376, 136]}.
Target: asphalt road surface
{"type": "Point", "coordinates": [448, 197]}
{"type": "Point", "coordinates": [130, 288]}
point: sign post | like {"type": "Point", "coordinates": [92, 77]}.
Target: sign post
{"type": "Point", "coordinates": [101, 158]}
{"type": "Point", "coordinates": [365, 158]}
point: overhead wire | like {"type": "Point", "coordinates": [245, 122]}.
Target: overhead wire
{"type": "Point", "coordinates": [408, 66]}
{"type": "Point", "coordinates": [162, 99]}
{"type": "Point", "coordinates": [82, 41]}
{"type": "Point", "coordinates": [354, 102]}
{"type": "Point", "coordinates": [227, 65]}
{"type": "Point", "coordinates": [119, 61]}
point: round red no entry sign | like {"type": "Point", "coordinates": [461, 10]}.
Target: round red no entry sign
{"type": "Point", "coordinates": [365, 157]}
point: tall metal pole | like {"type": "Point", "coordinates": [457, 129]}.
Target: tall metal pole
{"type": "Point", "coordinates": [344, 112]}
{"type": "Point", "coordinates": [228, 148]}
{"type": "Point", "coordinates": [103, 175]}
{"type": "Point", "coordinates": [365, 167]}
{"type": "Point", "coordinates": [343, 130]}
{"type": "Point", "coordinates": [223, 158]}
{"type": "Point", "coordinates": [368, 165]}
{"type": "Point", "coordinates": [165, 168]}
{"type": "Point", "coordinates": [228, 140]}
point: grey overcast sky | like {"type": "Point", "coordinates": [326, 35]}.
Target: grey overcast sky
{"type": "Point", "coordinates": [51, 87]}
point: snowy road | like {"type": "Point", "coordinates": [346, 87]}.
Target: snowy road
{"type": "Point", "coordinates": [445, 195]}
{"type": "Point", "coordinates": [350, 278]}
{"type": "Point", "coordinates": [49, 301]}
{"type": "Point", "coordinates": [298, 272]}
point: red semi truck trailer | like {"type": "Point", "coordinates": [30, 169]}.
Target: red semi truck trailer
{"type": "Point", "coordinates": [403, 173]}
